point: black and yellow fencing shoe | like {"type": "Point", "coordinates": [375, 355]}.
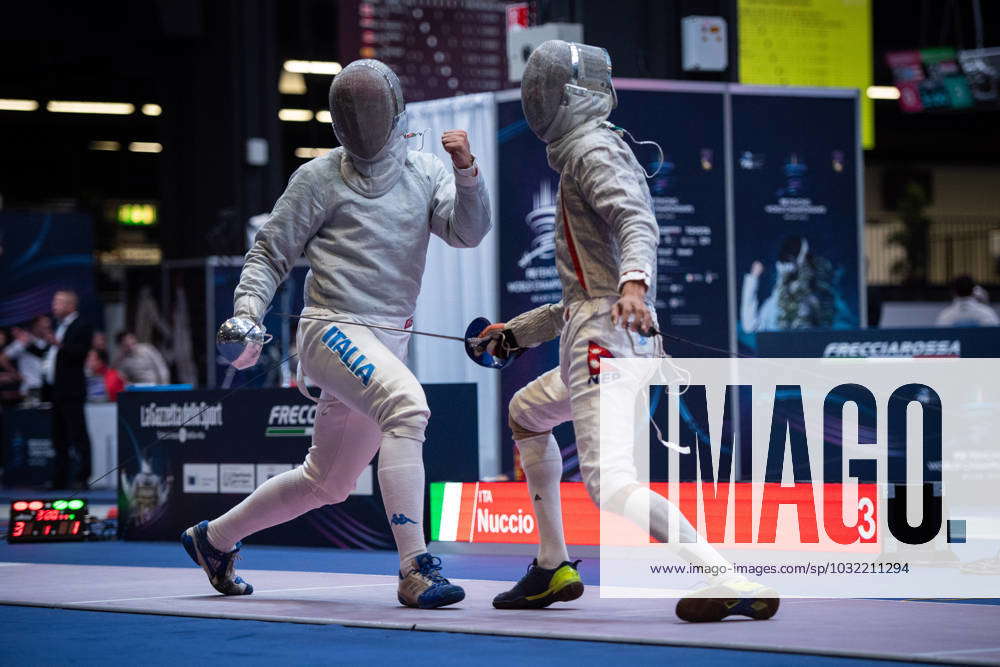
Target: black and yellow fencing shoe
{"type": "Point", "coordinates": [540, 587]}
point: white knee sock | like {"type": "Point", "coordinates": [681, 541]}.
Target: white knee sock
{"type": "Point", "coordinates": [542, 463]}
{"type": "Point", "coordinates": [643, 502]}
{"type": "Point", "coordinates": [401, 479]}
{"type": "Point", "coordinates": [279, 499]}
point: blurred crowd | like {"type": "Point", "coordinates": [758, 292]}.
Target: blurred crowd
{"type": "Point", "coordinates": [60, 352]}
{"type": "Point", "coordinates": [59, 361]}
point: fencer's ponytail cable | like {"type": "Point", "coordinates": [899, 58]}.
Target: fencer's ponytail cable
{"type": "Point", "coordinates": [638, 142]}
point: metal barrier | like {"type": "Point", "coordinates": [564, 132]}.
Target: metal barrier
{"type": "Point", "coordinates": [957, 244]}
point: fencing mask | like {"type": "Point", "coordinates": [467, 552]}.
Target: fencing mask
{"type": "Point", "coordinates": [565, 84]}
{"type": "Point", "coordinates": [366, 103]}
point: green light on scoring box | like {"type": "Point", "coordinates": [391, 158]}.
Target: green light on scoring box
{"type": "Point", "coordinates": [59, 505]}
{"type": "Point", "coordinates": [137, 215]}
{"type": "Point", "coordinates": [75, 504]}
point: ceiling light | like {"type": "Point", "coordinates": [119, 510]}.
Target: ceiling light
{"type": "Point", "coordinates": [18, 105]}
{"type": "Point", "coordinates": [152, 109]}
{"type": "Point", "coordinates": [312, 67]}
{"type": "Point", "coordinates": [105, 146]}
{"type": "Point", "coordinates": [309, 153]}
{"type": "Point", "coordinates": [113, 108]}
{"type": "Point", "coordinates": [292, 83]}
{"type": "Point", "coordinates": [295, 115]}
{"type": "Point", "coordinates": [324, 116]}
{"type": "Point", "coordinates": [882, 93]}
{"type": "Point", "coordinates": [145, 147]}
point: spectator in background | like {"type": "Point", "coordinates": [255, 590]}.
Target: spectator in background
{"type": "Point", "coordinates": [100, 341]}
{"type": "Point", "coordinates": [981, 295]}
{"type": "Point", "coordinates": [965, 310]}
{"type": "Point", "coordinates": [28, 351]}
{"type": "Point", "coordinates": [63, 373]}
{"type": "Point", "coordinates": [140, 363]}
{"type": "Point", "coordinates": [109, 382]}
{"type": "Point", "coordinates": [10, 379]}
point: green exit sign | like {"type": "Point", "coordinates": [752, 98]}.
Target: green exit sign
{"type": "Point", "coordinates": [137, 215]}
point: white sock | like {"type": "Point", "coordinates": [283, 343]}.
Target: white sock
{"type": "Point", "coordinates": [659, 509]}
{"type": "Point", "coordinates": [542, 463]}
{"type": "Point", "coordinates": [279, 499]}
{"type": "Point", "coordinates": [401, 479]}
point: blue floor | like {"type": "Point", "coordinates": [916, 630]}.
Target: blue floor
{"type": "Point", "coordinates": [33, 636]}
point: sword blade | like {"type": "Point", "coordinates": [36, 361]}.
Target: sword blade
{"type": "Point", "coordinates": [372, 326]}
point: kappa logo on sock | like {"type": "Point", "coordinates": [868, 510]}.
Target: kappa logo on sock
{"type": "Point", "coordinates": [537, 497]}
{"type": "Point", "coordinates": [594, 355]}
{"type": "Point", "coordinates": [401, 520]}
{"type": "Point", "coordinates": [340, 344]}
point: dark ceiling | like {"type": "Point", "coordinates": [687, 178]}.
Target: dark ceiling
{"type": "Point", "coordinates": [183, 53]}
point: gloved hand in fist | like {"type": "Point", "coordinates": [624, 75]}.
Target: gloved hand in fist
{"type": "Point", "coordinates": [501, 340]}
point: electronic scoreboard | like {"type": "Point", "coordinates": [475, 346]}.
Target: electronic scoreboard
{"type": "Point", "coordinates": [47, 520]}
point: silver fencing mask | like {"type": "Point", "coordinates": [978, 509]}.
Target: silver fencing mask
{"type": "Point", "coordinates": [366, 103]}
{"type": "Point", "coordinates": [565, 83]}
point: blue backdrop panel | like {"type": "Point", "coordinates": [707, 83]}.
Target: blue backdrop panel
{"type": "Point", "coordinates": [795, 202]}
{"type": "Point", "coordinates": [689, 198]}
{"type": "Point", "coordinates": [201, 470]}
{"type": "Point", "coordinates": [528, 278]}
{"type": "Point", "coordinates": [39, 254]}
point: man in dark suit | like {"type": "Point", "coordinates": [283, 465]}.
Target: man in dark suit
{"type": "Point", "coordinates": [63, 370]}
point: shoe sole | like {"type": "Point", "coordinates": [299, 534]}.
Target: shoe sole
{"type": "Point", "coordinates": [567, 593]}
{"type": "Point", "coordinates": [710, 610]}
{"type": "Point", "coordinates": [441, 603]}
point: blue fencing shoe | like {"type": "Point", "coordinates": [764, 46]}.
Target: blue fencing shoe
{"type": "Point", "coordinates": [220, 567]}
{"type": "Point", "coordinates": [424, 587]}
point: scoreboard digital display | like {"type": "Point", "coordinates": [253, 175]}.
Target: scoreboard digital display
{"type": "Point", "coordinates": [59, 520]}
{"type": "Point", "coordinates": [437, 48]}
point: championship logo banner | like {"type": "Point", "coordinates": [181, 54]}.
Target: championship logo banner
{"type": "Point", "coordinates": [815, 477]}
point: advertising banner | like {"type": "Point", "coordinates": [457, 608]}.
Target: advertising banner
{"type": "Point", "coordinates": [689, 200]}
{"type": "Point", "coordinates": [188, 456]}
{"type": "Point", "coordinates": [892, 343]}
{"type": "Point", "coordinates": [528, 278]}
{"type": "Point", "coordinates": [790, 172]}
{"type": "Point", "coordinates": [795, 204]}
{"type": "Point", "coordinates": [501, 512]}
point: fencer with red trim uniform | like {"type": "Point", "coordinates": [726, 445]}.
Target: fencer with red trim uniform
{"type": "Point", "coordinates": [606, 239]}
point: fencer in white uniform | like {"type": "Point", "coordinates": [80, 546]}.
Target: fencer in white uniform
{"type": "Point", "coordinates": [363, 214]}
{"type": "Point", "coordinates": [606, 240]}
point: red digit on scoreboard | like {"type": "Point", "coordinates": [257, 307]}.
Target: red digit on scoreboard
{"type": "Point", "coordinates": [76, 527]}
{"type": "Point", "coordinates": [18, 529]}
